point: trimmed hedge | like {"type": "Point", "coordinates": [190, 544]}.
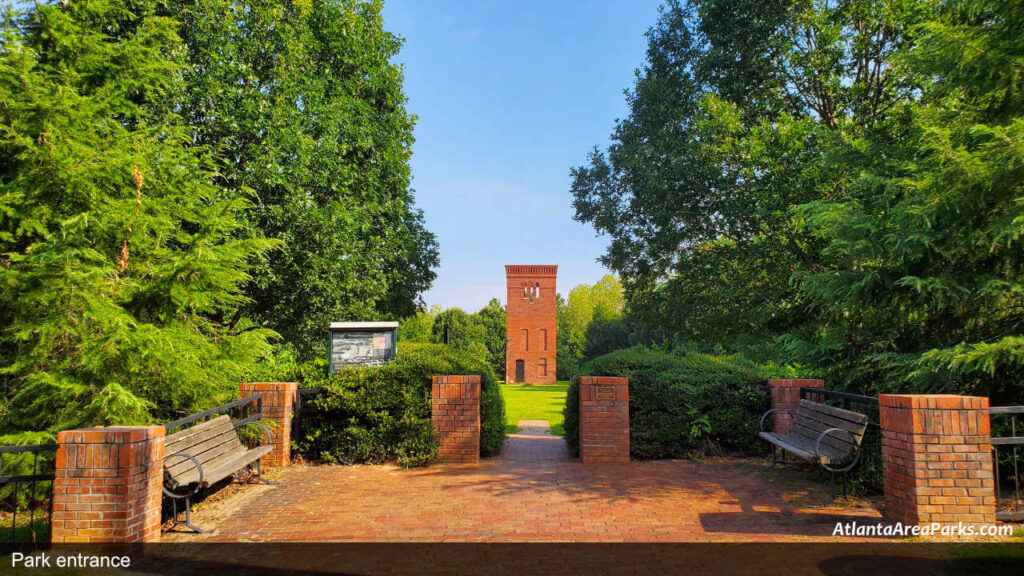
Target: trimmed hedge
{"type": "Point", "coordinates": [680, 405]}
{"type": "Point", "coordinates": [381, 414]}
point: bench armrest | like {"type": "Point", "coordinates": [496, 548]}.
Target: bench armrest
{"type": "Point", "coordinates": [853, 441]}
{"type": "Point", "coordinates": [265, 431]}
{"type": "Point", "coordinates": [199, 483]}
{"type": "Point", "coordinates": [765, 416]}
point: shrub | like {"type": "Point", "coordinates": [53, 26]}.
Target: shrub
{"type": "Point", "coordinates": [681, 404]}
{"type": "Point", "coordinates": [379, 414]}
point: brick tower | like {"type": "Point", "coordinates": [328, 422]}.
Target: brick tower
{"type": "Point", "coordinates": [530, 324]}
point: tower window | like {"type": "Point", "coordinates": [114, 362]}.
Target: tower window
{"type": "Point", "coordinates": [526, 339]}
{"type": "Point", "coordinates": [542, 367]}
{"type": "Point", "coordinates": [531, 291]}
{"type": "Point", "coordinates": [544, 338]}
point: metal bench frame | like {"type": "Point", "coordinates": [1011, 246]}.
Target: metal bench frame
{"type": "Point", "coordinates": [852, 458]}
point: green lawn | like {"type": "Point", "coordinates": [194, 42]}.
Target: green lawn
{"type": "Point", "coordinates": [534, 402]}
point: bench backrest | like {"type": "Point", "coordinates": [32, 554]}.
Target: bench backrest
{"type": "Point", "coordinates": [205, 442]}
{"type": "Point", "coordinates": [813, 418]}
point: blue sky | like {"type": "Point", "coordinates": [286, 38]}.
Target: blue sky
{"type": "Point", "coordinates": [510, 95]}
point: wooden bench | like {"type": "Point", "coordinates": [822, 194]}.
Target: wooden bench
{"type": "Point", "coordinates": [826, 435]}
{"type": "Point", "coordinates": [203, 455]}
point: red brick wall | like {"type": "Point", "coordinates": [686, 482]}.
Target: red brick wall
{"type": "Point", "coordinates": [278, 398]}
{"type": "Point", "coordinates": [107, 484]}
{"type": "Point", "coordinates": [937, 459]}
{"type": "Point", "coordinates": [604, 422]}
{"type": "Point", "coordinates": [455, 413]}
{"type": "Point", "coordinates": [785, 394]}
{"type": "Point", "coordinates": [534, 316]}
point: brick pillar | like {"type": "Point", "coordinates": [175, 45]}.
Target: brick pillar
{"type": "Point", "coordinates": [604, 419]}
{"type": "Point", "coordinates": [786, 396]}
{"type": "Point", "coordinates": [455, 413]}
{"type": "Point", "coordinates": [937, 459]}
{"type": "Point", "coordinates": [107, 484]}
{"type": "Point", "coordinates": [278, 398]}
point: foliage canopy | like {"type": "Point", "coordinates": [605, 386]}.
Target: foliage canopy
{"type": "Point", "coordinates": [836, 184]}
{"type": "Point", "coordinates": [306, 108]}
{"type": "Point", "coordinates": [120, 263]}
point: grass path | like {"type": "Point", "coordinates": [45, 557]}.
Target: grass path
{"type": "Point", "coordinates": [534, 402]}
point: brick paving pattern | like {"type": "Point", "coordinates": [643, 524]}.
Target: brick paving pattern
{"type": "Point", "coordinates": [534, 443]}
{"type": "Point", "coordinates": [533, 493]}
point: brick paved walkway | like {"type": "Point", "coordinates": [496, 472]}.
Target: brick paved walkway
{"type": "Point", "coordinates": [534, 492]}
{"type": "Point", "coordinates": [535, 443]}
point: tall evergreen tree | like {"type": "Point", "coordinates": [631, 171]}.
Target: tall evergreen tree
{"type": "Point", "coordinates": [922, 284]}
{"type": "Point", "coordinates": [120, 264]}
{"type": "Point", "coordinates": [493, 318]}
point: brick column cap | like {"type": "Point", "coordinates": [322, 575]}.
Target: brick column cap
{"type": "Point", "coordinates": [451, 387]}
{"type": "Point", "coordinates": [933, 401]}
{"type": "Point", "coordinates": [796, 382]}
{"type": "Point", "coordinates": [267, 386]}
{"type": "Point", "coordinates": [110, 434]}
{"type": "Point", "coordinates": [604, 381]}
{"type": "Point", "coordinates": [455, 379]}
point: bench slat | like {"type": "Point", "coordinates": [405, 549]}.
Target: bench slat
{"type": "Point", "coordinates": [208, 442]}
{"type": "Point", "coordinates": [841, 413]}
{"type": "Point", "coordinates": [205, 450]}
{"type": "Point", "coordinates": [804, 451]}
{"type": "Point", "coordinates": [828, 421]}
{"type": "Point", "coordinates": [191, 436]}
{"type": "Point", "coordinates": [809, 430]}
{"type": "Point", "coordinates": [210, 450]}
{"type": "Point", "coordinates": [785, 444]}
{"type": "Point", "coordinates": [829, 445]}
{"type": "Point", "coordinates": [799, 437]}
{"type": "Point", "coordinates": [837, 440]}
{"type": "Point", "coordinates": [823, 448]}
{"type": "Point", "coordinates": [224, 467]}
{"type": "Point", "coordinates": [229, 467]}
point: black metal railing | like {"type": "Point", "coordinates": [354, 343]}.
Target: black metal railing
{"type": "Point", "coordinates": [26, 490]}
{"type": "Point", "coordinates": [297, 407]}
{"type": "Point", "coordinates": [867, 476]}
{"type": "Point", "coordinates": [1005, 454]}
{"type": "Point", "coordinates": [249, 410]}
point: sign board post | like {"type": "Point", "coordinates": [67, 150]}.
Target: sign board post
{"type": "Point", "coordinates": [361, 344]}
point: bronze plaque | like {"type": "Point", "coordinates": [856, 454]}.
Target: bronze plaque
{"type": "Point", "coordinates": [605, 393]}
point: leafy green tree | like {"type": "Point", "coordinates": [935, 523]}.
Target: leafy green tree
{"type": "Point", "coordinates": [463, 331]}
{"type": "Point", "coordinates": [567, 350]}
{"type": "Point", "coordinates": [120, 263]}
{"type": "Point", "coordinates": [922, 284]}
{"type": "Point", "coordinates": [603, 299]}
{"type": "Point", "coordinates": [840, 179]}
{"type": "Point", "coordinates": [304, 105]}
{"type": "Point", "coordinates": [730, 120]}
{"type": "Point", "coordinates": [493, 317]}
{"type": "Point", "coordinates": [420, 327]}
